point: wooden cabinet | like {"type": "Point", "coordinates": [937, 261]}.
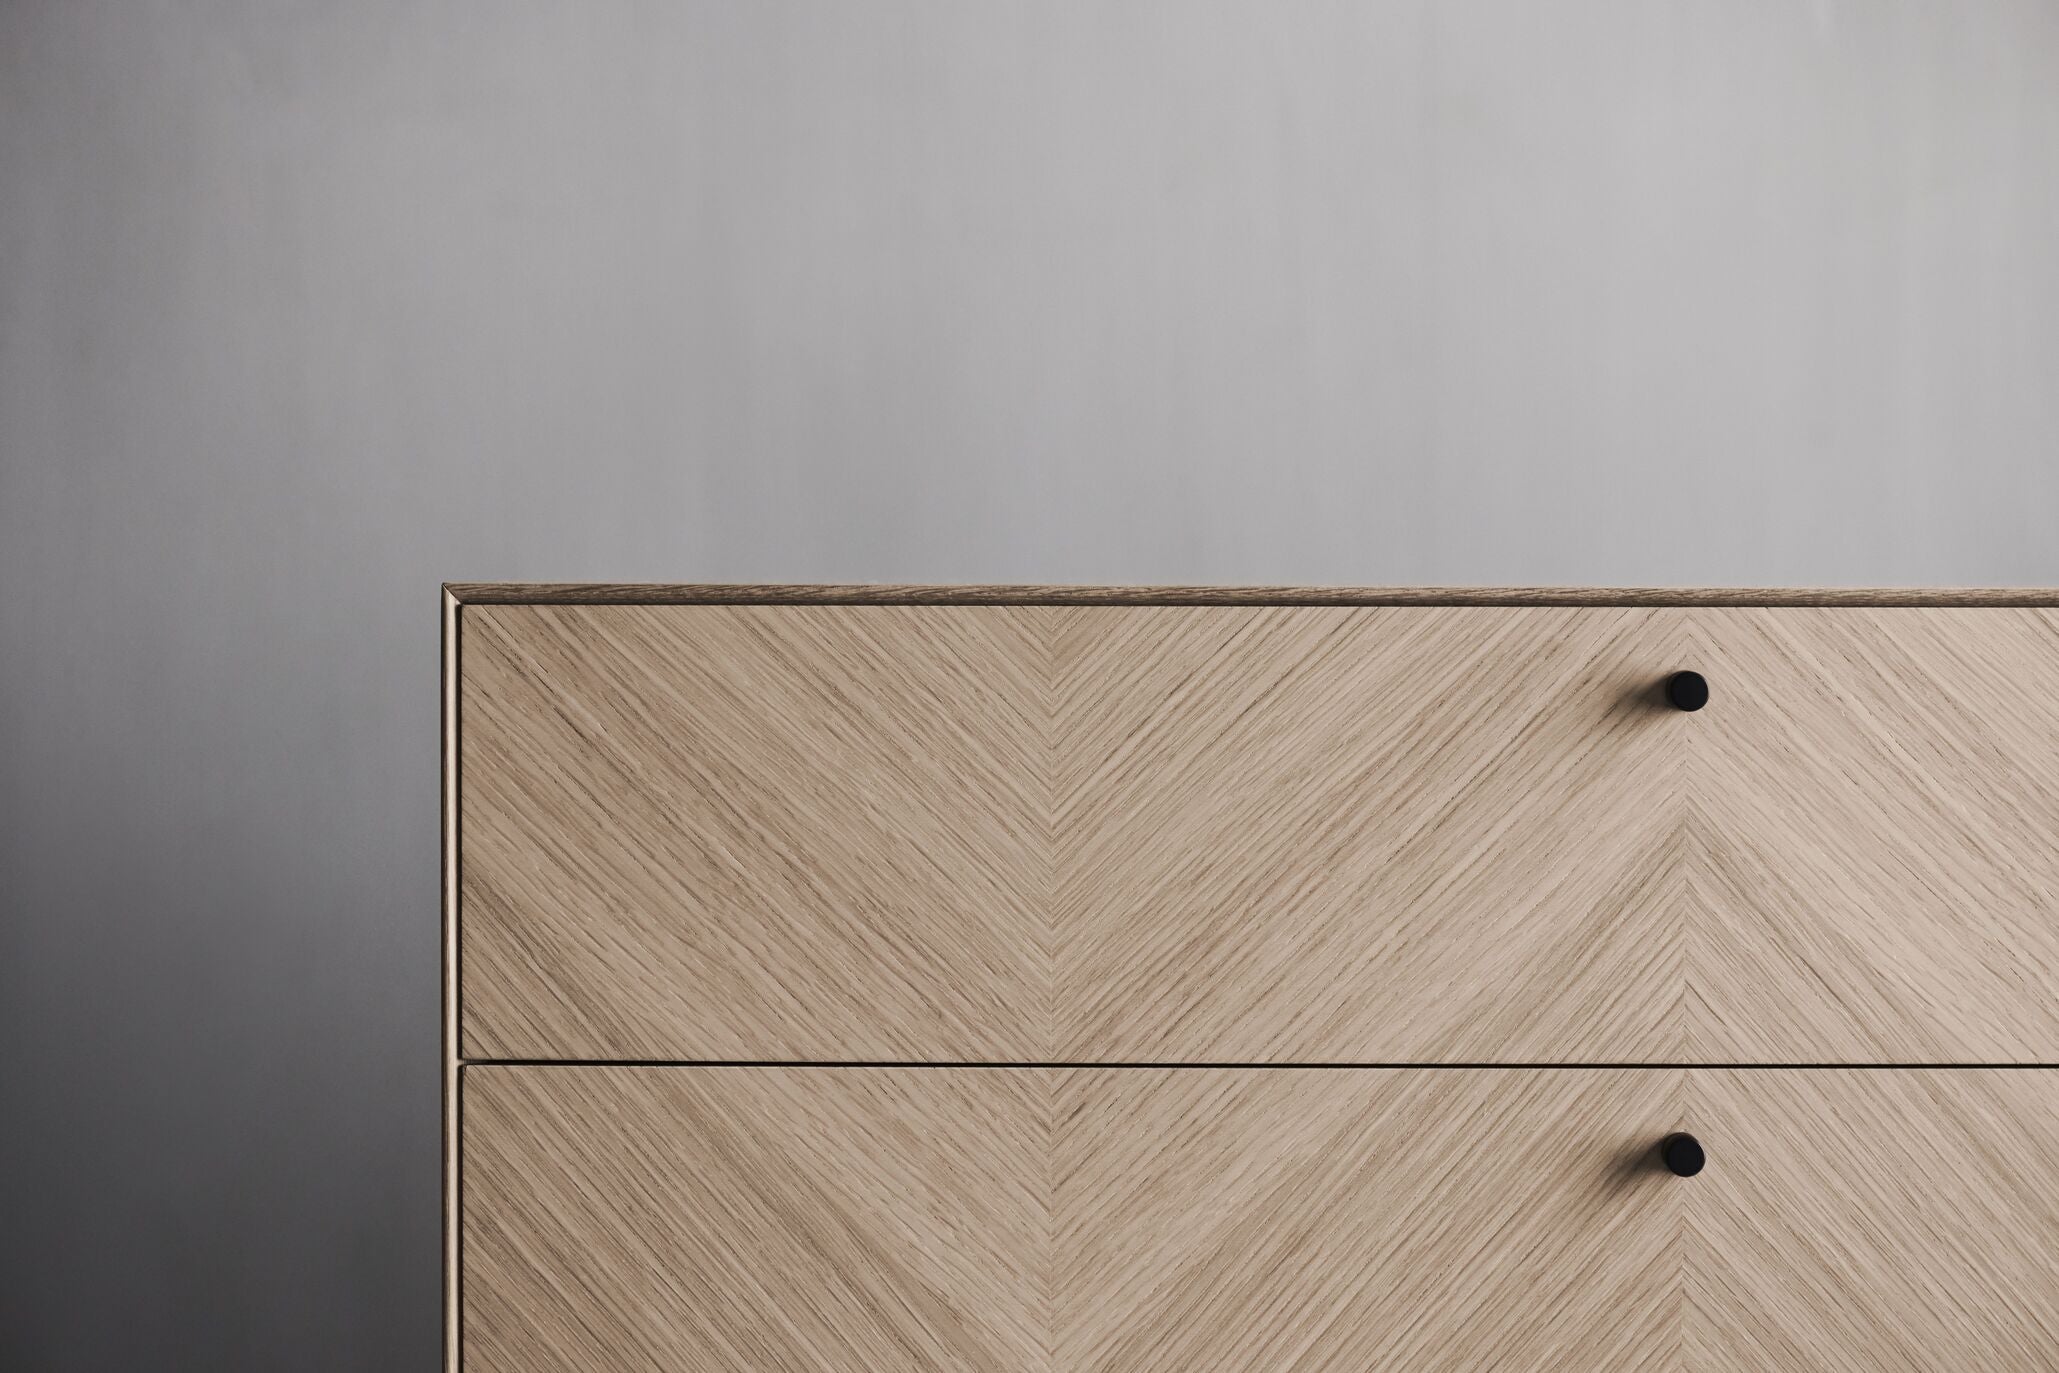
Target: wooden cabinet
{"type": "Point", "coordinates": [879, 978]}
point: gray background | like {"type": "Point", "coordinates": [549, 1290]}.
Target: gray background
{"type": "Point", "coordinates": [305, 308]}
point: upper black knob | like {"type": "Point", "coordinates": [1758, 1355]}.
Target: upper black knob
{"type": "Point", "coordinates": [1682, 1155]}
{"type": "Point", "coordinates": [1688, 690]}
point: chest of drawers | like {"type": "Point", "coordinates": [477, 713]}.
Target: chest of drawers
{"type": "Point", "coordinates": [1066, 979]}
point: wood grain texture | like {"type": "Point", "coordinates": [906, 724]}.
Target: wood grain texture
{"type": "Point", "coordinates": [1043, 834]}
{"type": "Point", "coordinates": [1337, 1221]}
{"type": "Point", "coordinates": [1872, 874]}
{"type": "Point", "coordinates": [716, 1219]}
{"type": "Point", "coordinates": [1118, 821]}
{"type": "Point", "coordinates": [1041, 831]}
{"type": "Point", "coordinates": [1259, 834]}
{"type": "Point", "coordinates": [773, 593]}
{"type": "Point", "coordinates": [1366, 835]}
{"type": "Point", "coordinates": [1856, 1221]}
{"type": "Point", "coordinates": [748, 833]}
{"type": "Point", "coordinates": [1134, 1220]}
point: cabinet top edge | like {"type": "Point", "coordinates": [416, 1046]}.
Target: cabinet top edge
{"type": "Point", "coordinates": [661, 593]}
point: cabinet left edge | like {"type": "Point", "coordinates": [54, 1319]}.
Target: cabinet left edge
{"type": "Point", "coordinates": [453, 1314]}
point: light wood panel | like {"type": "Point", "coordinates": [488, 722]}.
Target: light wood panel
{"type": "Point", "coordinates": [1873, 815]}
{"type": "Point", "coordinates": [746, 832]}
{"type": "Point", "coordinates": [721, 1219]}
{"type": "Point", "coordinates": [1091, 833]}
{"type": "Point", "coordinates": [1868, 1220]}
{"type": "Point", "coordinates": [1335, 1221]}
{"type": "Point", "coordinates": [1367, 835]}
{"type": "Point", "coordinates": [1069, 834]}
{"type": "Point", "coordinates": [1128, 1220]}
{"type": "Point", "coordinates": [1016, 1219]}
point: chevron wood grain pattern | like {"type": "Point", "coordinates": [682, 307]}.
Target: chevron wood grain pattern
{"type": "Point", "coordinates": [1871, 872]}
{"type": "Point", "coordinates": [1258, 834]}
{"type": "Point", "coordinates": [753, 833]}
{"type": "Point", "coordinates": [1130, 1220]}
{"type": "Point", "coordinates": [1343, 1220]}
{"type": "Point", "coordinates": [1366, 835]}
{"type": "Point", "coordinates": [732, 1218]}
{"type": "Point", "coordinates": [1862, 1221]}
{"type": "Point", "coordinates": [1042, 834]}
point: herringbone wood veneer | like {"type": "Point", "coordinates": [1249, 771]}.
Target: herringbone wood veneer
{"type": "Point", "coordinates": [712, 1219]}
{"type": "Point", "coordinates": [1873, 1221]}
{"type": "Point", "coordinates": [1082, 833]}
{"type": "Point", "coordinates": [1874, 810]}
{"type": "Point", "coordinates": [705, 1220]}
{"type": "Point", "coordinates": [746, 833]}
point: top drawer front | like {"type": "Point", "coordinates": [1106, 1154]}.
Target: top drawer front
{"type": "Point", "coordinates": [1257, 834]}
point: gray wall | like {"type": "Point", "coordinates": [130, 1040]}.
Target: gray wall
{"type": "Point", "coordinates": [305, 308]}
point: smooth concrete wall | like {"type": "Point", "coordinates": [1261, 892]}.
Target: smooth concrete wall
{"type": "Point", "coordinates": [305, 308]}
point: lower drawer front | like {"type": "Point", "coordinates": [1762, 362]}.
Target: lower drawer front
{"type": "Point", "coordinates": [1341, 1219]}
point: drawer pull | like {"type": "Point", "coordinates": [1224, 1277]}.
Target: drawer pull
{"type": "Point", "coordinates": [1688, 690]}
{"type": "Point", "coordinates": [1682, 1154]}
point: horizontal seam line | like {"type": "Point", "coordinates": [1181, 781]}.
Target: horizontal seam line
{"type": "Point", "coordinates": [1345, 603]}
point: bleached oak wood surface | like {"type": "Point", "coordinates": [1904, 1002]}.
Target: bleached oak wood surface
{"type": "Point", "coordinates": [1065, 833]}
{"type": "Point", "coordinates": [1167, 1220]}
{"type": "Point", "coordinates": [1258, 834]}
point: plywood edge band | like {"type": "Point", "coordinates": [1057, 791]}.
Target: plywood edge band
{"type": "Point", "coordinates": [453, 1066]}
{"type": "Point", "coordinates": [658, 593]}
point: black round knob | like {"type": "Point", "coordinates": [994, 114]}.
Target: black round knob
{"type": "Point", "coordinates": [1688, 690]}
{"type": "Point", "coordinates": [1682, 1155]}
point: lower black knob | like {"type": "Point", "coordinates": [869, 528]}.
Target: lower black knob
{"type": "Point", "coordinates": [1687, 690]}
{"type": "Point", "coordinates": [1682, 1155]}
